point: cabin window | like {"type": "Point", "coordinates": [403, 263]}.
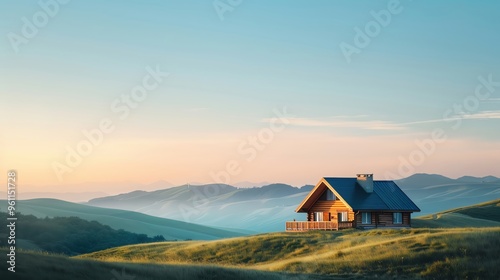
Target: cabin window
{"type": "Point", "coordinates": [343, 217]}
{"type": "Point", "coordinates": [318, 216]}
{"type": "Point", "coordinates": [366, 218]}
{"type": "Point", "coordinates": [397, 218]}
{"type": "Point", "coordinates": [327, 195]}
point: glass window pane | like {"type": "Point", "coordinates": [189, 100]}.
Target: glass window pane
{"type": "Point", "coordinates": [366, 218]}
{"type": "Point", "coordinates": [318, 216]}
{"type": "Point", "coordinates": [397, 218]}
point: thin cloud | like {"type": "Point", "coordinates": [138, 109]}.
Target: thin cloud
{"type": "Point", "coordinates": [485, 115]}
{"type": "Point", "coordinates": [343, 122]}
{"type": "Point", "coordinates": [357, 123]}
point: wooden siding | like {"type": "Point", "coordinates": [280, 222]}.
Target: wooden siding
{"type": "Point", "coordinates": [383, 219]}
{"type": "Point", "coordinates": [330, 209]}
{"type": "Point", "coordinates": [327, 206]}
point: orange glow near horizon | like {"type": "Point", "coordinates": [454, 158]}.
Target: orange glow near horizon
{"type": "Point", "coordinates": [291, 157]}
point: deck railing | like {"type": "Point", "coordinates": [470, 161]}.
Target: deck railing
{"type": "Point", "coordinates": [306, 226]}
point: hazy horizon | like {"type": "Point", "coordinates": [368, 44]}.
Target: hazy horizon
{"type": "Point", "coordinates": [99, 189]}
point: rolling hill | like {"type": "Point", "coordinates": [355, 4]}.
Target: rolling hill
{"type": "Point", "coordinates": [401, 254]}
{"type": "Point", "coordinates": [481, 215]}
{"type": "Point", "coordinates": [32, 265]}
{"type": "Point", "coordinates": [418, 253]}
{"type": "Point", "coordinates": [68, 235]}
{"type": "Point", "coordinates": [120, 219]}
{"type": "Point", "coordinates": [433, 250]}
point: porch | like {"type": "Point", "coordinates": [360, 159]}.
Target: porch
{"type": "Point", "coordinates": [306, 226]}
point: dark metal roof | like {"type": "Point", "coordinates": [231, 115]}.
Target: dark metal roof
{"type": "Point", "coordinates": [386, 195]}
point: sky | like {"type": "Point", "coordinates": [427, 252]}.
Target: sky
{"type": "Point", "coordinates": [230, 91]}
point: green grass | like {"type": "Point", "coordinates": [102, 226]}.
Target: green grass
{"type": "Point", "coordinates": [435, 253]}
{"type": "Point", "coordinates": [418, 253]}
{"type": "Point", "coordinates": [31, 265]}
{"type": "Point", "coordinates": [481, 215]}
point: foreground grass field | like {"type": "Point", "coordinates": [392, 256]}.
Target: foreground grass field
{"type": "Point", "coordinates": [31, 265]}
{"type": "Point", "coordinates": [465, 253]}
{"type": "Point", "coordinates": [433, 252]}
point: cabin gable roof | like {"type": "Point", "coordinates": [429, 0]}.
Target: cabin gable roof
{"type": "Point", "coordinates": [386, 196]}
{"type": "Point", "coordinates": [315, 194]}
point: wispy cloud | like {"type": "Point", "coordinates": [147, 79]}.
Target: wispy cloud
{"type": "Point", "coordinates": [363, 121]}
{"type": "Point", "coordinates": [344, 122]}
{"type": "Point", "coordinates": [483, 115]}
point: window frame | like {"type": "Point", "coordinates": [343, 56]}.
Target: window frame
{"type": "Point", "coordinates": [343, 214]}
{"type": "Point", "coordinates": [369, 215]}
{"type": "Point", "coordinates": [320, 215]}
{"type": "Point", "coordinates": [395, 217]}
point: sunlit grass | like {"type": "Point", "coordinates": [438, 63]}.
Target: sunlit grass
{"type": "Point", "coordinates": [419, 252]}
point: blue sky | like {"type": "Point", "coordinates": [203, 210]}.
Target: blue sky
{"type": "Point", "coordinates": [227, 76]}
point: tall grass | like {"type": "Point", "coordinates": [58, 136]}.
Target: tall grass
{"type": "Point", "coordinates": [430, 253]}
{"type": "Point", "coordinates": [41, 266]}
{"type": "Point", "coordinates": [385, 254]}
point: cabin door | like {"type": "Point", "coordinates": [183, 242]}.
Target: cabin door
{"type": "Point", "coordinates": [326, 216]}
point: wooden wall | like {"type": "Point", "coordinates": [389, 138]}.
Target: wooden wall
{"type": "Point", "coordinates": [384, 219]}
{"type": "Point", "coordinates": [333, 207]}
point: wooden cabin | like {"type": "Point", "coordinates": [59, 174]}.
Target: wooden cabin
{"type": "Point", "coordinates": [361, 202]}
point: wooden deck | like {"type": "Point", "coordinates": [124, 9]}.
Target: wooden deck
{"type": "Point", "coordinates": [306, 226]}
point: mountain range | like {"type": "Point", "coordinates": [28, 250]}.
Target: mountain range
{"type": "Point", "coordinates": [435, 193]}
{"type": "Point", "coordinates": [253, 209]}
{"type": "Point", "coordinates": [265, 209]}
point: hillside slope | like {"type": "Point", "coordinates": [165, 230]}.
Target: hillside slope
{"type": "Point", "coordinates": [68, 235]}
{"type": "Point", "coordinates": [120, 219]}
{"type": "Point", "coordinates": [414, 253]}
{"type": "Point", "coordinates": [481, 215]}
{"type": "Point", "coordinates": [45, 266]}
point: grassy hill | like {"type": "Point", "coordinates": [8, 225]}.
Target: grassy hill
{"type": "Point", "coordinates": [31, 265]}
{"type": "Point", "coordinates": [481, 215]}
{"type": "Point", "coordinates": [418, 253]}
{"type": "Point", "coordinates": [121, 219]}
{"type": "Point", "coordinates": [68, 235]}
{"type": "Point", "coordinates": [439, 253]}
{"type": "Point", "coordinates": [381, 254]}
{"type": "Point", "coordinates": [465, 246]}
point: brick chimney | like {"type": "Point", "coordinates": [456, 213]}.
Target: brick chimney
{"type": "Point", "coordinates": [366, 182]}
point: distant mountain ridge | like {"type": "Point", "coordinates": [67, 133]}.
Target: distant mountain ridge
{"type": "Point", "coordinates": [435, 193]}
{"type": "Point", "coordinates": [422, 179]}
{"type": "Point", "coordinates": [265, 209]}
{"type": "Point", "coordinates": [219, 205]}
